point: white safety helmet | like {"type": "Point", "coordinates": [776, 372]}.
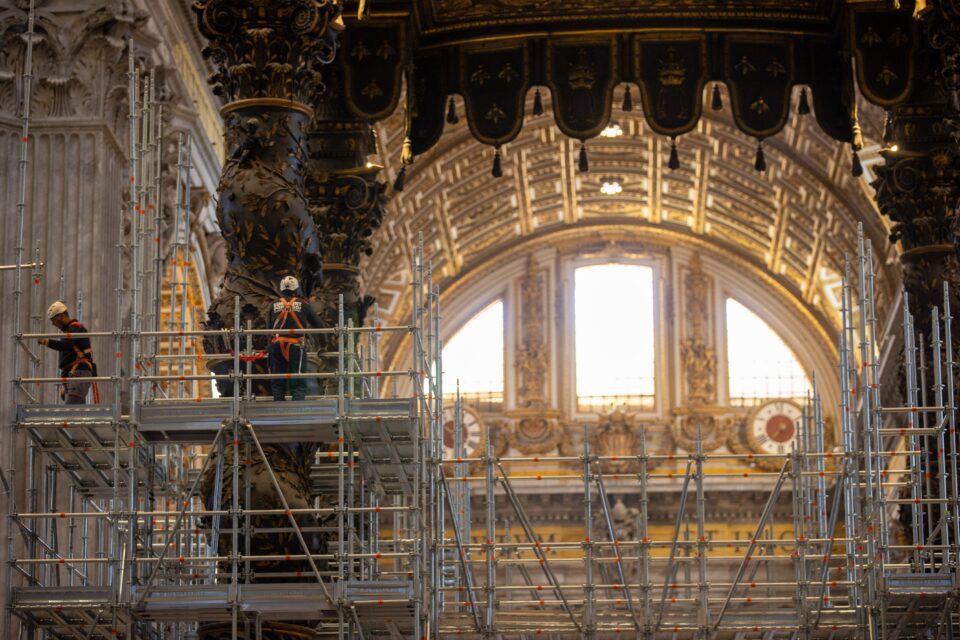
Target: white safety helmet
{"type": "Point", "coordinates": [56, 309]}
{"type": "Point", "coordinates": [289, 284]}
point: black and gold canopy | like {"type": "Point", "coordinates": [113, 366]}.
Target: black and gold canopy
{"type": "Point", "coordinates": [665, 52]}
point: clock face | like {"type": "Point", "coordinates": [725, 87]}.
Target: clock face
{"type": "Point", "coordinates": [473, 434]}
{"type": "Point", "coordinates": [773, 426]}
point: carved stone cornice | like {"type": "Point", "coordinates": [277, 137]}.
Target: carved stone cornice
{"type": "Point", "coordinates": [268, 48]}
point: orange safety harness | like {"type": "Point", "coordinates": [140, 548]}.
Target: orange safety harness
{"type": "Point", "coordinates": [84, 357]}
{"type": "Point", "coordinates": [286, 341]}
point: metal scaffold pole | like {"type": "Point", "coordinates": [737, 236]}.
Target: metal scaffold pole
{"type": "Point", "coordinates": [10, 455]}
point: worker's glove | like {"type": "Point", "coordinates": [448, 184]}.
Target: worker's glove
{"type": "Point", "coordinates": [42, 342]}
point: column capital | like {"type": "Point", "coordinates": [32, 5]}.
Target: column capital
{"type": "Point", "coordinates": [268, 48]}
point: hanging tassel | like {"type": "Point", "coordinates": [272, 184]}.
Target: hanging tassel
{"type": "Point", "coordinates": [537, 103]}
{"type": "Point", "coordinates": [582, 163]}
{"type": "Point", "coordinates": [674, 162]}
{"type": "Point", "coordinates": [497, 169]}
{"type": "Point", "coordinates": [856, 143]}
{"type": "Point", "coordinates": [857, 169]}
{"type": "Point", "coordinates": [717, 102]}
{"type": "Point", "coordinates": [452, 112]}
{"type": "Point", "coordinates": [627, 100]}
{"type": "Point", "coordinates": [803, 108]}
{"type": "Point", "coordinates": [760, 164]}
{"type": "Point", "coordinates": [406, 151]}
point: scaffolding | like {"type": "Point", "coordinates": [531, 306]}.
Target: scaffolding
{"type": "Point", "coordinates": [111, 538]}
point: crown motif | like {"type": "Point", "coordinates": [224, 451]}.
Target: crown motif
{"type": "Point", "coordinates": [582, 74]}
{"type": "Point", "coordinates": [672, 71]}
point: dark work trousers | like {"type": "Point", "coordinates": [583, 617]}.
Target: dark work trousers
{"type": "Point", "coordinates": [279, 364]}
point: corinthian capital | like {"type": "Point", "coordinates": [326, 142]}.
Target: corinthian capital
{"type": "Point", "coordinates": [268, 48]}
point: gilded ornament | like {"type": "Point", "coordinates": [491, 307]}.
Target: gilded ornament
{"type": "Point", "coordinates": [479, 76]}
{"type": "Point", "coordinates": [776, 69]}
{"type": "Point", "coordinates": [759, 106]}
{"type": "Point", "coordinates": [386, 51]}
{"type": "Point", "coordinates": [870, 37]}
{"type": "Point", "coordinates": [886, 76]}
{"type": "Point", "coordinates": [618, 438]}
{"type": "Point", "coordinates": [898, 38]}
{"type": "Point", "coordinates": [697, 356]}
{"type": "Point", "coordinates": [372, 90]}
{"type": "Point", "coordinates": [744, 67]}
{"type": "Point", "coordinates": [508, 73]}
{"type": "Point", "coordinates": [672, 72]}
{"type": "Point", "coordinates": [582, 75]}
{"type": "Point", "coordinates": [536, 429]}
{"type": "Point", "coordinates": [359, 51]}
{"type": "Point", "coordinates": [495, 114]}
{"type": "Point", "coordinates": [703, 424]}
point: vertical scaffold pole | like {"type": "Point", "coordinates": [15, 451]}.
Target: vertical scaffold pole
{"type": "Point", "coordinates": [23, 166]}
{"type": "Point", "coordinates": [157, 254]}
{"type": "Point", "coordinates": [942, 521]}
{"type": "Point", "coordinates": [175, 259]}
{"type": "Point", "coordinates": [185, 278]}
{"type": "Point", "coordinates": [643, 531]}
{"type": "Point", "coordinates": [951, 415]}
{"type": "Point", "coordinates": [490, 500]}
{"type": "Point", "coordinates": [703, 597]}
{"type": "Point", "coordinates": [909, 352]}
{"type": "Point", "coordinates": [589, 596]}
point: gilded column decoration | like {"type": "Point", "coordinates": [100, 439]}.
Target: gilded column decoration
{"type": "Point", "coordinates": [346, 204]}
{"type": "Point", "coordinates": [699, 411]}
{"type": "Point", "coordinates": [266, 69]}
{"type": "Point", "coordinates": [918, 188]}
{"type": "Point", "coordinates": [267, 56]}
{"type": "Point", "coordinates": [536, 429]}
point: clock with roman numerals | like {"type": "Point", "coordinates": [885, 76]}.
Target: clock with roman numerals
{"type": "Point", "coordinates": [772, 427]}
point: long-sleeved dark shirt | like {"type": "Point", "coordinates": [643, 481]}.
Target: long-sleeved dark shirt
{"type": "Point", "coordinates": [298, 308]}
{"type": "Point", "coordinates": [69, 346]}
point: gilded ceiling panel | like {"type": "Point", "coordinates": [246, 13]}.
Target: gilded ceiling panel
{"type": "Point", "coordinates": [797, 220]}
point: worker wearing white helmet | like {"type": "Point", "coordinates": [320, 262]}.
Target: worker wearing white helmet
{"type": "Point", "coordinates": [76, 356]}
{"type": "Point", "coordinates": [286, 352]}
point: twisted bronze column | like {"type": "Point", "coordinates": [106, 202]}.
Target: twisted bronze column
{"type": "Point", "coordinates": [346, 204]}
{"type": "Point", "coordinates": [918, 188]}
{"type": "Point", "coordinates": [268, 55]}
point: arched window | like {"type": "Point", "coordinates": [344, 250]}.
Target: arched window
{"type": "Point", "coordinates": [473, 356]}
{"type": "Point", "coordinates": [759, 363]}
{"type": "Point", "coordinates": [614, 331]}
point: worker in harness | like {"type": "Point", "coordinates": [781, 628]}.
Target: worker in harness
{"type": "Point", "coordinates": [76, 356]}
{"type": "Point", "coordinates": [286, 352]}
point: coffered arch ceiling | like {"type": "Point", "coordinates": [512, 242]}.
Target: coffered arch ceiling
{"type": "Point", "coordinates": [797, 220]}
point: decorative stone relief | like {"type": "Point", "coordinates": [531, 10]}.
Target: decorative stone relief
{"type": "Point", "coordinates": [698, 418]}
{"type": "Point", "coordinates": [536, 429]}
{"type": "Point", "coordinates": [618, 435]}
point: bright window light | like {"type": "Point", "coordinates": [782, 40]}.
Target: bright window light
{"type": "Point", "coordinates": [760, 364]}
{"type": "Point", "coordinates": [474, 354]}
{"type": "Point", "coordinates": [614, 336]}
